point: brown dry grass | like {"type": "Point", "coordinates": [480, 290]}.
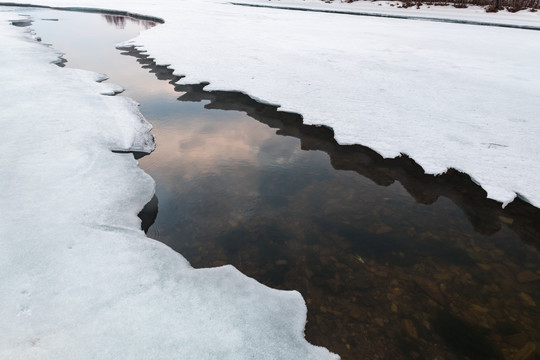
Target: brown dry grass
{"type": "Point", "coordinates": [490, 5]}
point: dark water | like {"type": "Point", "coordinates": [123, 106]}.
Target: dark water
{"type": "Point", "coordinates": [392, 263]}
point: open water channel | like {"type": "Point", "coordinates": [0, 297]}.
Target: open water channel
{"type": "Point", "coordinates": [392, 263]}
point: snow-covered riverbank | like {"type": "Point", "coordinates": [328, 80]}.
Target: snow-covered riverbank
{"type": "Point", "coordinates": [395, 8]}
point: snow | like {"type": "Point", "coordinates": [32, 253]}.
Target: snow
{"type": "Point", "coordinates": [447, 95]}
{"type": "Point", "coordinates": [79, 278]}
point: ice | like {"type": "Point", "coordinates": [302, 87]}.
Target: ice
{"type": "Point", "coordinates": [79, 279]}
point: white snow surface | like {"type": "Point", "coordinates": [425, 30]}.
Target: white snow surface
{"type": "Point", "coordinates": [394, 8]}
{"type": "Point", "coordinates": [447, 95]}
{"type": "Point", "coordinates": [79, 280]}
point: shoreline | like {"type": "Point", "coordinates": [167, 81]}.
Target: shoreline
{"type": "Point", "coordinates": [392, 16]}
